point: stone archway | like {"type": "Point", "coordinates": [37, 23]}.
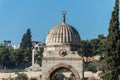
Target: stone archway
{"type": "Point", "coordinates": [72, 69]}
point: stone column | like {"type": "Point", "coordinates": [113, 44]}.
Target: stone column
{"type": "Point", "coordinates": [33, 56]}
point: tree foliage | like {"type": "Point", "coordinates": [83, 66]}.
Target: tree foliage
{"type": "Point", "coordinates": [94, 66]}
{"type": "Point", "coordinates": [39, 55]}
{"type": "Point", "coordinates": [111, 69]}
{"type": "Point", "coordinates": [26, 47]}
{"type": "Point", "coordinates": [10, 58]}
{"type": "Point", "coordinates": [19, 58]}
{"type": "Point", "coordinates": [91, 67]}
{"type": "Point", "coordinates": [33, 79]}
{"type": "Point", "coordinates": [4, 57]}
{"type": "Point", "coordinates": [95, 46]}
{"type": "Point", "coordinates": [21, 77]}
{"type": "Point", "coordinates": [58, 74]}
{"type": "Point", "coordinates": [26, 40]}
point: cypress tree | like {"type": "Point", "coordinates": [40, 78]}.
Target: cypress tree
{"type": "Point", "coordinates": [26, 40]}
{"type": "Point", "coordinates": [25, 46]}
{"type": "Point", "coordinates": [111, 68]}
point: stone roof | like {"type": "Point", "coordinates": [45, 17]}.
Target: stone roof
{"type": "Point", "coordinates": [63, 34]}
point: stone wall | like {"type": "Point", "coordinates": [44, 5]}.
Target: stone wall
{"type": "Point", "coordinates": [7, 76]}
{"type": "Point", "coordinates": [52, 61]}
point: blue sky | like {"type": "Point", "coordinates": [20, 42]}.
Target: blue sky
{"type": "Point", "coordinates": [89, 17]}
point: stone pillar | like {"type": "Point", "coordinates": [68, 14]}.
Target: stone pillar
{"type": "Point", "coordinates": [33, 56]}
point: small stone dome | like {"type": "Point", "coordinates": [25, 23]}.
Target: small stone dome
{"type": "Point", "coordinates": [63, 34]}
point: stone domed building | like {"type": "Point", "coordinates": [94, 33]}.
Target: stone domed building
{"type": "Point", "coordinates": [62, 50]}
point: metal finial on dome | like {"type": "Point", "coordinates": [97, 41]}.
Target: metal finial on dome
{"type": "Point", "coordinates": [63, 16]}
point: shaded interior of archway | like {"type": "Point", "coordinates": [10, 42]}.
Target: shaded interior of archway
{"type": "Point", "coordinates": [59, 66]}
{"type": "Point", "coordinates": [59, 74]}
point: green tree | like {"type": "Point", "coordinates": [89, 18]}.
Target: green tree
{"type": "Point", "coordinates": [95, 46]}
{"type": "Point", "coordinates": [101, 36]}
{"type": "Point", "coordinates": [91, 67]}
{"type": "Point", "coordinates": [102, 44]}
{"type": "Point", "coordinates": [87, 47]}
{"type": "Point", "coordinates": [33, 79]}
{"type": "Point", "coordinates": [26, 46]}
{"type": "Point", "coordinates": [21, 77]}
{"type": "Point", "coordinates": [58, 76]}
{"type": "Point", "coordinates": [27, 56]}
{"type": "Point", "coordinates": [4, 57]}
{"type": "Point", "coordinates": [26, 40]}
{"type": "Point", "coordinates": [111, 68]}
{"type": "Point", "coordinates": [39, 56]}
{"type": "Point", "coordinates": [94, 66]}
{"type": "Point", "coordinates": [18, 58]}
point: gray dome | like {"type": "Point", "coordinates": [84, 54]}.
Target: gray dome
{"type": "Point", "coordinates": [63, 34]}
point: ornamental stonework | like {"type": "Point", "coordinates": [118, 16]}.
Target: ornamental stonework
{"type": "Point", "coordinates": [62, 50]}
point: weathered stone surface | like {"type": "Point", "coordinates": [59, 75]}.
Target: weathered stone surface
{"type": "Point", "coordinates": [62, 50]}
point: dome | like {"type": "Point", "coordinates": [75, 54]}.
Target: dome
{"type": "Point", "coordinates": [63, 34]}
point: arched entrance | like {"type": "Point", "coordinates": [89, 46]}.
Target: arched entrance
{"type": "Point", "coordinates": [61, 65]}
